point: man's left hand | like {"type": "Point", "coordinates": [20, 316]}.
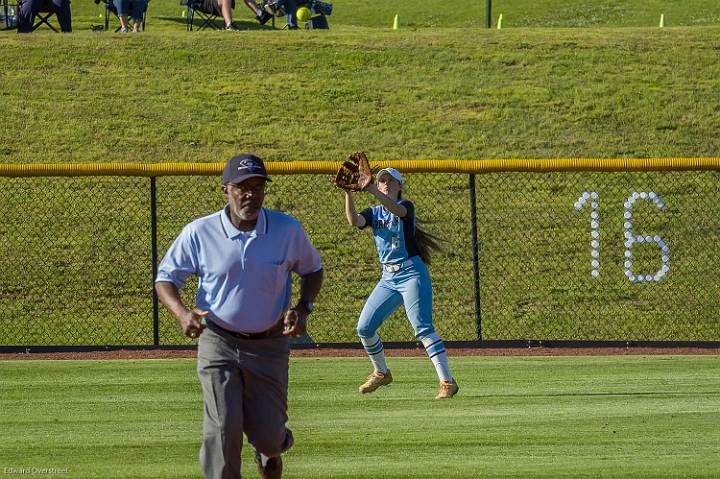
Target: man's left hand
{"type": "Point", "coordinates": [295, 323]}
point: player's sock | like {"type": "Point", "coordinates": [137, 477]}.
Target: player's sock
{"type": "Point", "coordinates": [436, 352]}
{"type": "Point", "coordinates": [374, 348]}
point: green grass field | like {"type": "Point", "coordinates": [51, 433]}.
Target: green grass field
{"type": "Point", "coordinates": [515, 417]}
{"type": "Point", "coordinates": [593, 78]}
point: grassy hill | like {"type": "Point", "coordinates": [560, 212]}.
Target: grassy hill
{"type": "Point", "coordinates": [170, 95]}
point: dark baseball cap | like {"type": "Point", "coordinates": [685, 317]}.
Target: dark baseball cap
{"type": "Point", "coordinates": [242, 167]}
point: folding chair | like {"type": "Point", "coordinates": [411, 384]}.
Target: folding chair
{"type": "Point", "coordinates": [43, 15]}
{"type": "Point", "coordinates": [111, 10]}
{"type": "Point", "coordinates": [42, 18]}
{"type": "Point", "coordinates": [207, 16]}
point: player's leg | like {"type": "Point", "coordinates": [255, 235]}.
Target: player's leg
{"type": "Point", "coordinates": [223, 418]}
{"type": "Point", "coordinates": [416, 290]}
{"type": "Point", "coordinates": [378, 307]}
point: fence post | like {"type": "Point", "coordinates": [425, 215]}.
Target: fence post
{"type": "Point", "coordinates": [488, 13]}
{"type": "Point", "coordinates": [476, 263]}
{"type": "Point", "coordinates": [153, 241]}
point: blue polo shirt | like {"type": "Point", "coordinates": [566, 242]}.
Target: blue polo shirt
{"type": "Point", "coordinates": [244, 278]}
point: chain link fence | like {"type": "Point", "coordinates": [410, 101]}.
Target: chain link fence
{"type": "Point", "coordinates": [566, 256]}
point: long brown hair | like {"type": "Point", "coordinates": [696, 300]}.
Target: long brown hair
{"type": "Point", "coordinates": [426, 242]}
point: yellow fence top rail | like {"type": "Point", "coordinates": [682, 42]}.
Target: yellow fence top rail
{"type": "Point", "coordinates": [328, 167]}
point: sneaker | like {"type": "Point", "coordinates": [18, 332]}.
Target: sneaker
{"type": "Point", "coordinates": [272, 468]}
{"type": "Point", "coordinates": [375, 380]}
{"type": "Point", "coordinates": [447, 389]}
{"type": "Point", "coordinates": [263, 18]}
{"type": "Point", "coordinates": [123, 30]}
{"type": "Point", "coordinates": [136, 30]}
{"type": "Point", "coordinates": [231, 28]}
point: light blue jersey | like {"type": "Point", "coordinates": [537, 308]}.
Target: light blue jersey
{"type": "Point", "coordinates": [394, 236]}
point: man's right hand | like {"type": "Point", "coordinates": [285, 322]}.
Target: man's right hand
{"type": "Point", "coordinates": [192, 323]}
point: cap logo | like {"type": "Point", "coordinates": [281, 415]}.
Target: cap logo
{"type": "Point", "coordinates": [250, 165]}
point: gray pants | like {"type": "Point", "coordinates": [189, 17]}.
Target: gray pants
{"type": "Point", "coordinates": [245, 385]}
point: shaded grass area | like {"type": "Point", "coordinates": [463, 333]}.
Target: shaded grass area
{"type": "Point", "coordinates": [540, 417]}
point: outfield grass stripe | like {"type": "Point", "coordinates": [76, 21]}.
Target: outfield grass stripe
{"type": "Point", "coordinates": [520, 417]}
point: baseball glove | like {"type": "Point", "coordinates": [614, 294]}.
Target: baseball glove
{"type": "Point", "coordinates": [354, 174]}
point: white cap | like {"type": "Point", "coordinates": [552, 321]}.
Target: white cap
{"type": "Point", "coordinates": [392, 172]}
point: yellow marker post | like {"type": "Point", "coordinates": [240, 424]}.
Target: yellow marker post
{"type": "Point", "coordinates": [662, 20]}
{"type": "Point", "coordinates": [395, 22]}
{"type": "Point", "coordinates": [500, 22]}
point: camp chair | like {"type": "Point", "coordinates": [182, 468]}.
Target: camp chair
{"type": "Point", "coordinates": [43, 15]}
{"type": "Point", "coordinates": [111, 10]}
{"type": "Point", "coordinates": [207, 17]}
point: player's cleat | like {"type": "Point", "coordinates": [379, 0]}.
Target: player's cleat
{"type": "Point", "coordinates": [374, 381]}
{"type": "Point", "coordinates": [272, 468]}
{"type": "Point", "coordinates": [447, 389]}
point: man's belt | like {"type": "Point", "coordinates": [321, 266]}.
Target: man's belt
{"type": "Point", "coordinates": [277, 327]}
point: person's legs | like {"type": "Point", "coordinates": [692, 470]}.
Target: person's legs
{"type": "Point", "coordinates": [64, 16]}
{"type": "Point", "coordinates": [260, 15]}
{"type": "Point", "coordinates": [416, 289]}
{"type": "Point", "coordinates": [264, 366]}
{"type": "Point", "coordinates": [138, 8]}
{"type": "Point", "coordinates": [122, 7]}
{"type": "Point", "coordinates": [26, 15]}
{"type": "Point", "coordinates": [223, 388]}
{"type": "Point", "coordinates": [226, 10]}
{"type": "Point", "coordinates": [253, 7]}
{"type": "Point", "coordinates": [291, 15]}
{"type": "Point", "coordinates": [378, 307]}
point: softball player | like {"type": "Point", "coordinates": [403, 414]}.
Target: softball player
{"type": "Point", "coordinates": [404, 250]}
